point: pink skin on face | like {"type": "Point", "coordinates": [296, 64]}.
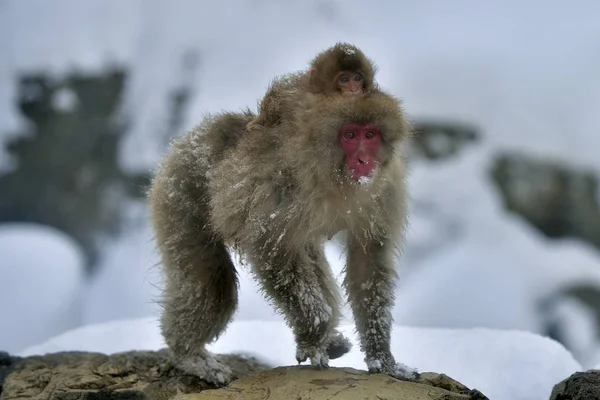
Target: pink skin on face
{"type": "Point", "coordinates": [362, 144]}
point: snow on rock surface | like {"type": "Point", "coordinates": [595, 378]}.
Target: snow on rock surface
{"type": "Point", "coordinates": [504, 365]}
{"type": "Point", "coordinates": [108, 337]}
{"type": "Point", "coordinates": [41, 271]}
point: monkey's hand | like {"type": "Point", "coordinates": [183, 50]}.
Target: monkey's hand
{"type": "Point", "coordinates": [317, 354]}
{"type": "Point", "coordinates": [207, 368]}
{"type": "Point", "coordinates": [338, 345]}
{"type": "Point", "coordinates": [387, 365]}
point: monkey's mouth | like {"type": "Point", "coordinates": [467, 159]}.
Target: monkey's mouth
{"type": "Point", "coordinates": [363, 170]}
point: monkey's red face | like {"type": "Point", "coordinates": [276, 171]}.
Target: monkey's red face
{"type": "Point", "coordinates": [349, 83]}
{"type": "Point", "coordinates": [362, 145]}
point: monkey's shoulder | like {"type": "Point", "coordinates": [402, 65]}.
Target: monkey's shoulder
{"type": "Point", "coordinates": [216, 135]}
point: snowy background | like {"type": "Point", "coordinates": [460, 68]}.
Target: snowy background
{"type": "Point", "coordinates": [91, 91]}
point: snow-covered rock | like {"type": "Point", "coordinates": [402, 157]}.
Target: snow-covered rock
{"type": "Point", "coordinates": [505, 365]}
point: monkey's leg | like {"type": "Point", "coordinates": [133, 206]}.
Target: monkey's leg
{"type": "Point", "coordinates": [261, 121]}
{"type": "Point", "coordinates": [200, 300]}
{"type": "Point", "coordinates": [262, 118]}
{"type": "Point", "coordinates": [253, 125]}
{"type": "Point", "coordinates": [301, 286]}
{"type": "Point", "coordinates": [337, 343]}
{"type": "Point", "coordinates": [370, 282]}
{"type": "Point", "coordinates": [270, 109]}
{"type": "Point", "coordinates": [200, 295]}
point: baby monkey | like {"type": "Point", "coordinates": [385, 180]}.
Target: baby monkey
{"type": "Point", "coordinates": [342, 69]}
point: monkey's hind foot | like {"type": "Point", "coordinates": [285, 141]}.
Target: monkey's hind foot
{"type": "Point", "coordinates": [317, 354]}
{"type": "Point", "coordinates": [338, 346]}
{"type": "Point", "coordinates": [392, 368]}
{"type": "Point", "coordinates": [207, 368]}
{"type": "Point", "coordinates": [253, 125]}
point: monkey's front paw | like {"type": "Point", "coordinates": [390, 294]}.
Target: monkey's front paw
{"type": "Point", "coordinates": [317, 354]}
{"type": "Point", "coordinates": [387, 365]}
{"type": "Point", "coordinates": [338, 345]}
{"type": "Point", "coordinates": [207, 368]}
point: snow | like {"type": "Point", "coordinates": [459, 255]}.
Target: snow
{"type": "Point", "coordinates": [482, 256]}
{"type": "Point", "coordinates": [504, 365]}
{"type": "Point", "coordinates": [41, 271]}
{"type": "Point", "coordinates": [65, 100]}
{"type": "Point", "coordinates": [364, 180]}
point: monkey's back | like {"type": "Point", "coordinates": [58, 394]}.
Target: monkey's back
{"type": "Point", "coordinates": [274, 181]}
{"type": "Point", "coordinates": [180, 188]}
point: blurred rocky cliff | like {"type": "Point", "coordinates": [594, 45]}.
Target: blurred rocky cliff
{"type": "Point", "coordinates": [65, 170]}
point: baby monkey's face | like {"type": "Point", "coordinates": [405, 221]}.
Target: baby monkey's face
{"type": "Point", "coordinates": [349, 83]}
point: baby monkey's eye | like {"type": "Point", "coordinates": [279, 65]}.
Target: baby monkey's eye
{"type": "Point", "coordinates": [344, 79]}
{"type": "Point", "coordinates": [358, 77]}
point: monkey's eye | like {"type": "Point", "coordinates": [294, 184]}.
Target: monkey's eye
{"type": "Point", "coordinates": [349, 135]}
{"type": "Point", "coordinates": [369, 135]}
{"type": "Point", "coordinates": [358, 78]}
{"type": "Point", "coordinates": [344, 79]}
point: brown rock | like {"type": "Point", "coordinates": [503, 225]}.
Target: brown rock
{"type": "Point", "coordinates": [151, 376]}
{"type": "Point", "coordinates": [130, 375]}
{"type": "Point", "coordinates": [579, 386]}
{"type": "Point", "coordinates": [304, 382]}
{"type": "Point", "coordinates": [438, 140]}
{"type": "Point", "coordinates": [7, 364]}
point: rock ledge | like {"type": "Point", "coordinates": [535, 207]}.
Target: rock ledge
{"type": "Point", "coordinates": [304, 382]}
{"type": "Point", "coordinates": [152, 376]}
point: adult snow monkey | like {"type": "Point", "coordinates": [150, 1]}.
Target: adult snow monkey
{"type": "Point", "coordinates": [332, 164]}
